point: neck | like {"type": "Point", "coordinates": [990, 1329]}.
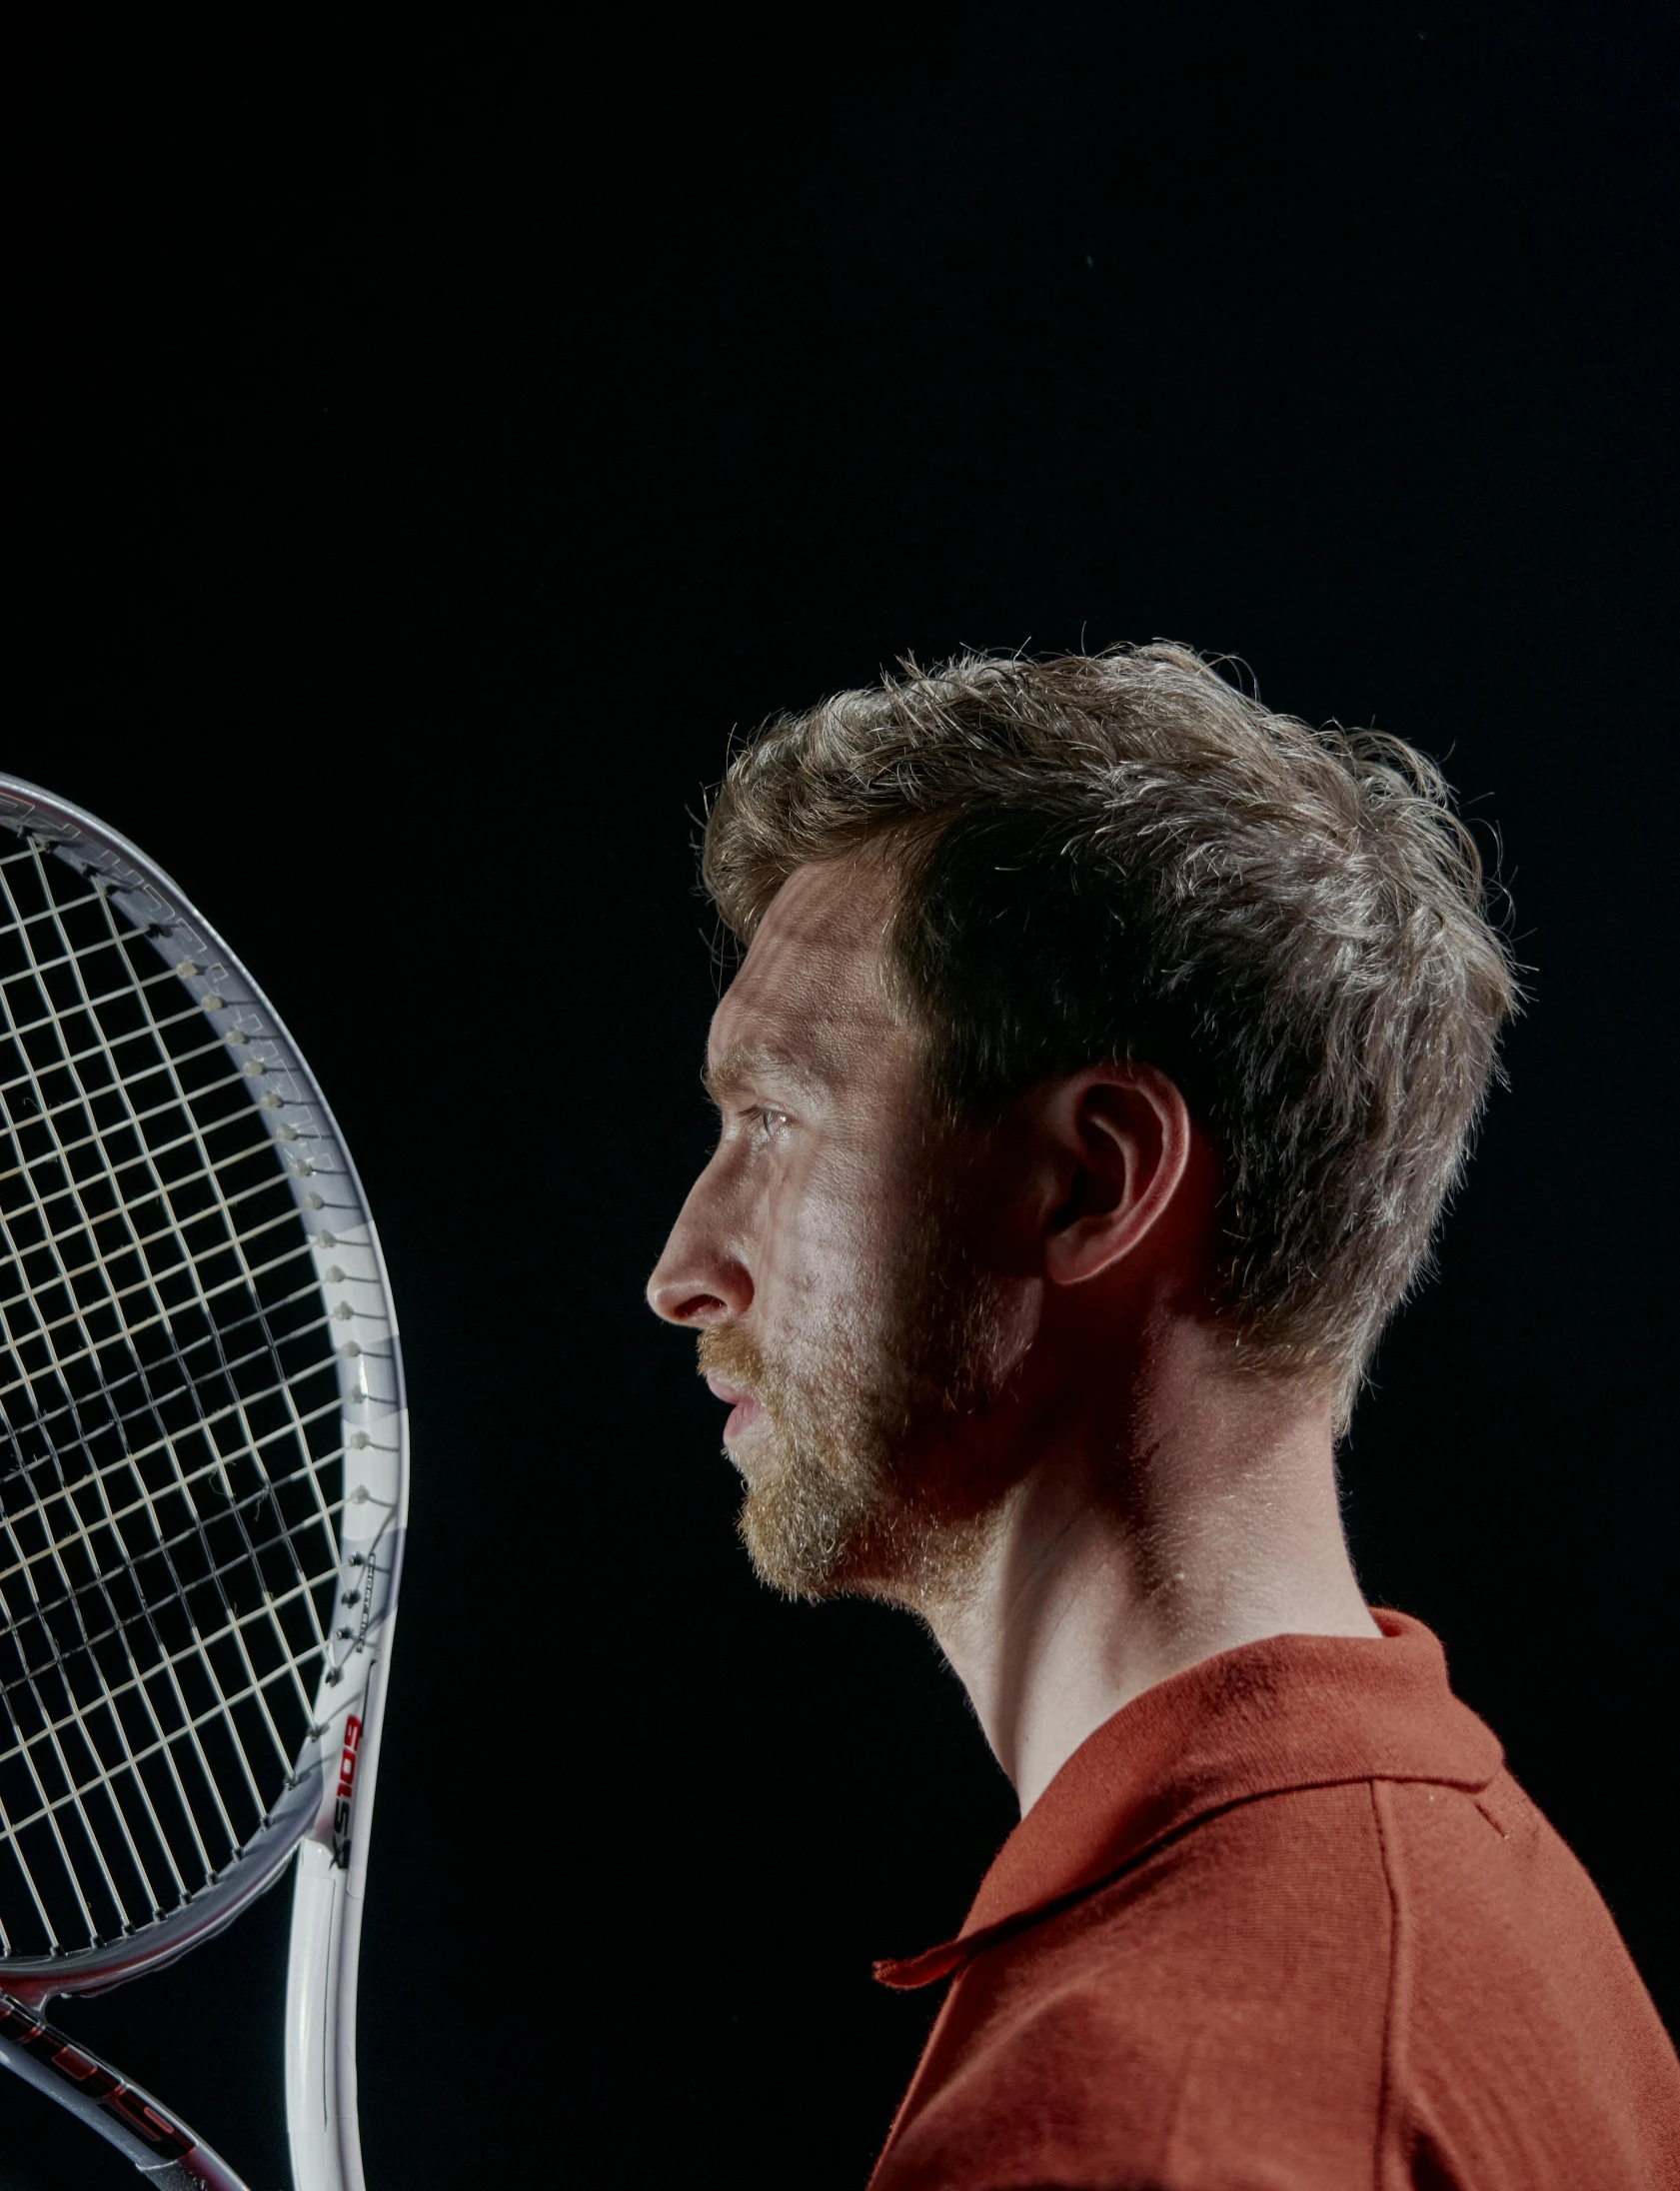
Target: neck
{"type": "Point", "coordinates": [1210, 1519]}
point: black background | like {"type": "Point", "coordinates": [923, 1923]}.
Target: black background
{"type": "Point", "coordinates": [427, 449]}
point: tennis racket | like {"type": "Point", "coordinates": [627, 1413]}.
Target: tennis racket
{"type": "Point", "coordinates": [203, 1486]}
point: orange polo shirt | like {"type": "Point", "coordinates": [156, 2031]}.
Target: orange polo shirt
{"type": "Point", "coordinates": [1286, 1923]}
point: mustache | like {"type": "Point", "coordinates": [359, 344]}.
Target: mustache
{"type": "Point", "coordinates": [735, 1355]}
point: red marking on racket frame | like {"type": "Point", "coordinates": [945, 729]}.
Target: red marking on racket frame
{"type": "Point", "coordinates": [346, 1791]}
{"type": "Point", "coordinates": [65, 2059]}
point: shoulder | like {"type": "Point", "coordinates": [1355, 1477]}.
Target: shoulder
{"type": "Point", "coordinates": [1303, 1990]}
{"type": "Point", "coordinates": [1221, 2002]}
{"type": "Point", "coordinates": [1526, 2042]}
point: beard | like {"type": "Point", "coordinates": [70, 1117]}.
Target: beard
{"type": "Point", "coordinates": [864, 1475]}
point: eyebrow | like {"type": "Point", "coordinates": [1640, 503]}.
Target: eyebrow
{"type": "Point", "coordinates": [752, 1064]}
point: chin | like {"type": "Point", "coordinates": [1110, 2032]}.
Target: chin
{"type": "Point", "coordinates": [799, 1551]}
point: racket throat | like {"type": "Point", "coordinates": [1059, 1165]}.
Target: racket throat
{"type": "Point", "coordinates": [321, 2111]}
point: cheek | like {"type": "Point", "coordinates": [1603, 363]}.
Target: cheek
{"type": "Point", "coordinates": [832, 1228]}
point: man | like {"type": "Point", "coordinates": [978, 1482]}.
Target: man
{"type": "Point", "coordinates": [1102, 1055]}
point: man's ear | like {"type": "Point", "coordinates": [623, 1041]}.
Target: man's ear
{"type": "Point", "coordinates": [1119, 1146]}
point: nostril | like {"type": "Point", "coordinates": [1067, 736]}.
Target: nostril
{"type": "Point", "coordinates": [701, 1289]}
{"type": "Point", "coordinates": [699, 1309]}
{"type": "Point", "coordinates": [687, 1307]}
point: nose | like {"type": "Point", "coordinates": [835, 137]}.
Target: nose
{"type": "Point", "coordinates": [700, 1280]}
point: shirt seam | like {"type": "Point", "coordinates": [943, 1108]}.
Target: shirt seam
{"type": "Point", "coordinates": [1398, 2010]}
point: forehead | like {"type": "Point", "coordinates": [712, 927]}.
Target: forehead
{"type": "Point", "coordinates": [813, 990]}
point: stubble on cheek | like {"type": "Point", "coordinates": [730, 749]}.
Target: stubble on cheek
{"type": "Point", "coordinates": [813, 1488]}
{"type": "Point", "coordinates": [858, 1474]}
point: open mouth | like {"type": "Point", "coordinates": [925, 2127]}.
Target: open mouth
{"type": "Point", "coordinates": [744, 1407]}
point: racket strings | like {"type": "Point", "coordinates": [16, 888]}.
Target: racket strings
{"type": "Point", "coordinates": [171, 1441]}
{"type": "Point", "coordinates": [84, 1632]}
{"type": "Point", "coordinates": [309, 1292]}
{"type": "Point", "coordinates": [62, 1364]}
{"type": "Point", "coordinates": [52, 1638]}
{"type": "Point", "coordinates": [38, 1344]}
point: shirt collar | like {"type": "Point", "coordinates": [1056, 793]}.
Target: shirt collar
{"type": "Point", "coordinates": [1291, 1711]}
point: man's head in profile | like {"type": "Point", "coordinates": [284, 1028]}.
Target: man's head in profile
{"type": "Point", "coordinates": [1104, 1051]}
{"type": "Point", "coordinates": [1103, 1041]}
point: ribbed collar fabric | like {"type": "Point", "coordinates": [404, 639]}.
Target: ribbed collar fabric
{"type": "Point", "coordinates": [1291, 1711]}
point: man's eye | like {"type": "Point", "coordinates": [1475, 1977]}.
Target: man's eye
{"type": "Point", "coordinates": [770, 1123]}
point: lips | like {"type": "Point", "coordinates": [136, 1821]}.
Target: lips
{"type": "Point", "coordinates": [743, 1405]}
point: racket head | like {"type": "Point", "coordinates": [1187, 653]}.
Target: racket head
{"type": "Point", "coordinates": [203, 1430]}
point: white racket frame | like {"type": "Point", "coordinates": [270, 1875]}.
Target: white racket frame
{"type": "Point", "coordinates": [322, 1822]}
